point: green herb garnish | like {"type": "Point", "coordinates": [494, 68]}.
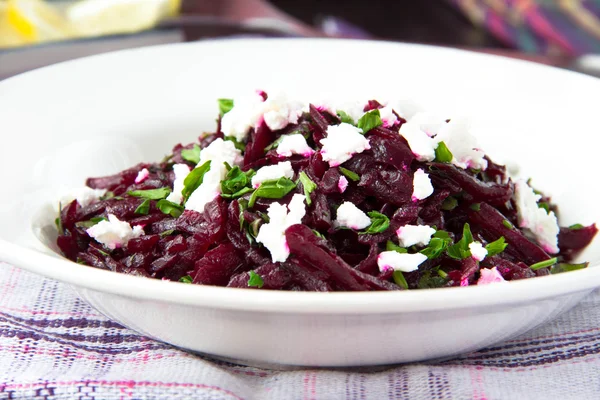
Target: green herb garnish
{"type": "Point", "coordinates": [225, 105]}
{"type": "Point", "coordinates": [194, 180]}
{"type": "Point", "coordinates": [236, 183]}
{"type": "Point", "coordinates": [442, 153]}
{"type": "Point", "coordinates": [576, 227]}
{"type": "Point", "coordinates": [192, 155]}
{"type": "Point", "coordinates": [370, 120]}
{"type": "Point", "coordinates": [545, 206]}
{"type": "Point", "coordinates": [429, 281]}
{"type": "Point", "coordinates": [449, 203]}
{"type": "Point", "coordinates": [274, 189]}
{"type": "Point", "coordinates": [437, 245]}
{"type": "Point", "coordinates": [507, 224]}
{"type": "Point", "coordinates": [475, 206]}
{"type": "Point", "coordinates": [308, 185]}
{"type": "Point", "coordinates": [343, 115]}
{"type": "Point", "coordinates": [91, 222]}
{"type": "Point", "coordinates": [496, 247]}
{"type": "Point", "coordinates": [151, 194]}
{"type": "Point", "coordinates": [318, 234]}
{"type": "Point", "coordinates": [58, 220]}
{"type": "Point", "coordinates": [255, 280]}
{"type": "Point", "coordinates": [460, 250]}
{"type": "Point", "coordinates": [544, 264]}
{"type": "Point", "coordinates": [353, 176]}
{"type": "Point", "coordinates": [167, 232]}
{"type": "Point", "coordinates": [379, 222]}
{"type": "Point", "coordinates": [241, 146]}
{"type": "Point", "coordinates": [391, 246]}
{"type": "Point", "coordinates": [143, 208]}
{"type": "Point", "coordinates": [400, 279]}
{"type": "Point", "coordinates": [170, 208]}
{"type": "Point", "coordinates": [564, 267]}
{"type": "Point", "coordinates": [186, 279]}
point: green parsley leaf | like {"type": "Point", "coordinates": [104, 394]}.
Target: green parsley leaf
{"type": "Point", "coordinates": [475, 206]}
{"type": "Point", "coordinates": [107, 195]}
{"type": "Point", "coordinates": [400, 279]}
{"type": "Point", "coordinates": [168, 207]}
{"type": "Point", "coordinates": [58, 220]}
{"type": "Point", "coordinates": [496, 247]}
{"type": "Point", "coordinates": [436, 247]}
{"type": "Point", "coordinates": [236, 183]}
{"type": "Point", "coordinates": [544, 264]}
{"type": "Point", "coordinates": [428, 281]}
{"type": "Point", "coordinates": [308, 185]}
{"type": "Point", "coordinates": [460, 250]}
{"type": "Point", "coordinates": [391, 246]}
{"type": "Point", "coordinates": [186, 279]}
{"type": "Point", "coordinates": [275, 143]}
{"type": "Point", "coordinates": [576, 227]}
{"type": "Point", "coordinates": [545, 206]}
{"type": "Point", "coordinates": [379, 222]}
{"type": "Point", "coordinates": [507, 224]}
{"type": "Point", "coordinates": [318, 234]}
{"type": "Point", "coordinates": [442, 234]}
{"type": "Point", "coordinates": [353, 176]}
{"type": "Point", "coordinates": [442, 153]}
{"type": "Point", "coordinates": [151, 194]}
{"type": "Point", "coordinates": [343, 115]}
{"type": "Point", "coordinates": [255, 280]}
{"type": "Point", "coordinates": [274, 189]}
{"type": "Point", "coordinates": [143, 208]}
{"type": "Point", "coordinates": [370, 120]}
{"type": "Point", "coordinates": [194, 180]}
{"type": "Point", "coordinates": [168, 232]}
{"type": "Point", "coordinates": [241, 146]}
{"type": "Point", "coordinates": [449, 203]}
{"type": "Point", "coordinates": [564, 267]}
{"type": "Point", "coordinates": [442, 274]}
{"type": "Point", "coordinates": [192, 155]}
{"type": "Point", "coordinates": [92, 221]}
{"type": "Point", "coordinates": [225, 105]}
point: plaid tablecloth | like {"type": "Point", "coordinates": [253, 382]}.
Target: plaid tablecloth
{"type": "Point", "coordinates": [53, 346]}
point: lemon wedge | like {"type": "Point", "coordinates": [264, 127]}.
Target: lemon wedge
{"type": "Point", "coordinates": [32, 21]}
{"type": "Point", "coordinates": [103, 17]}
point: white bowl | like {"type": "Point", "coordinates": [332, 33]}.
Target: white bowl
{"type": "Point", "coordinates": [102, 114]}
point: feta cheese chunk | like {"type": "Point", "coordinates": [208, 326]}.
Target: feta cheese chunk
{"type": "Point", "coordinates": [354, 109]}
{"type": "Point", "coordinates": [387, 116]}
{"type": "Point", "coordinates": [489, 276]}
{"type": "Point", "coordinates": [428, 122]}
{"type": "Point", "coordinates": [462, 144]}
{"type": "Point", "coordinates": [181, 172]}
{"type": "Point", "coordinates": [478, 252]}
{"type": "Point", "coordinates": [84, 196]}
{"type": "Point", "coordinates": [142, 175]}
{"type": "Point", "coordinates": [342, 142]}
{"type": "Point", "coordinates": [543, 225]}
{"type": "Point", "coordinates": [273, 172]}
{"type": "Point", "coordinates": [422, 187]}
{"type": "Point", "coordinates": [272, 234]}
{"type": "Point", "coordinates": [294, 144]}
{"type": "Point", "coordinates": [409, 235]}
{"type": "Point", "coordinates": [342, 184]}
{"type": "Point", "coordinates": [218, 153]}
{"type": "Point", "coordinates": [114, 233]}
{"type": "Point", "coordinates": [249, 112]}
{"type": "Point", "coordinates": [350, 216]}
{"type": "Point", "coordinates": [422, 146]}
{"type": "Point", "coordinates": [404, 262]}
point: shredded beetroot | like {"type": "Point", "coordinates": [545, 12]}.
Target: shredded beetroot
{"type": "Point", "coordinates": [219, 245]}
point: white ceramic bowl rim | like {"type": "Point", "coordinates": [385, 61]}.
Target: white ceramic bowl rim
{"type": "Point", "coordinates": [301, 302]}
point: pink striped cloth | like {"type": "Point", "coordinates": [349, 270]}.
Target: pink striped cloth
{"type": "Point", "coordinates": [53, 346]}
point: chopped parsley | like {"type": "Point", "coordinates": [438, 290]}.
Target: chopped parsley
{"type": "Point", "coordinates": [564, 267]}
{"type": "Point", "coordinates": [170, 208]}
{"type": "Point", "coordinates": [343, 115]}
{"type": "Point", "coordinates": [194, 180]}
{"type": "Point", "coordinates": [353, 176]}
{"type": "Point", "coordinates": [442, 153]}
{"type": "Point", "coordinates": [192, 155]}
{"type": "Point", "coordinates": [391, 246]}
{"type": "Point", "coordinates": [236, 183]}
{"type": "Point", "coordinates": [143, 208]}
{"type": "Point", "coordinates": [400, 279]}
{"type": "Point", "coordinates": [496, 247]}
{"type": "Point", "coordinates": [225, 105]}
{"type": "Point", "coordinates": [544, 264]}
{"type": "Point", "coordinates": [370, 120]}
{"type": "Point", "coordinates": [449, 203]}
{"type": "Point", "coordinates": [460, 250]}
{"type": "Point", "coordinates": [255, 280]}
{"type": "Point", "coordinates": [379, 222]}
{"type": "Point", "coordinates": [186, 279]}
{"type": "Point", "coordinates": [151, 194]}
{"type": "Point", "coordinates": [308, 185]}
{"type": "Point", "coordinates": [274, 189]}
{"type": "Point", "coordinates": [576, 227]}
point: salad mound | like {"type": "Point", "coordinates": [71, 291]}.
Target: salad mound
{"type": "Point", "coordinates": [352, 196]}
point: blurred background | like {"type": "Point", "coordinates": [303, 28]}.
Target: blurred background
{"type": "Point", "coordinates": [565, 33]}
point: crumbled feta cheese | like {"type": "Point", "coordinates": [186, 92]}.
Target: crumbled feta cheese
{"type": "Point", "coordinates": [272, 235]}
{"type": "Point", "coordinates": [409, 235]}
{"type": "Point", "coordinates": [543, 225]}
{"type": "Point", "coordinates": [428, 122]}
{"type": "Point", "coordinates": [181, 172]}
{"type": "Point", "coordinates": [218, 153]}
{"type": "Point", "coordinates": [273, 172]}
{"type": "Point", "coordinates": [342, 184]}
{"type": "Point", "coordinates": [114, 233]}
{"type": "Point", "coordinates": [462, 144]}
{"type": "Point", "coordinates": [354, 109]}
{"type": "Point", "coordinates": [294, 144]}
{"type": "Point", "coordinates": [142, 175]}
{"type": "Point", "coordinates": [84, 196]}
{"type": "Point", "coordinates": [406, 108]}
{"type": "Point", "coordinates": [404, 262]}
{"type": "Point", "coordinates": [387, 116]}
{"type": "Point", "coordinates": [422, 187]}
{"type": "Point", "coordinates": [489, 276]}
{"type": "Point", "coordinates": [350, 216]}
{"type": "Point", "coordinates": [478, 252]}
{"type": "Point", "coordinates": [422, 146]}
{"type": "Point", "coordinates": [249, 112]}
{"type": "Point", "coordinates": [342, 141]}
